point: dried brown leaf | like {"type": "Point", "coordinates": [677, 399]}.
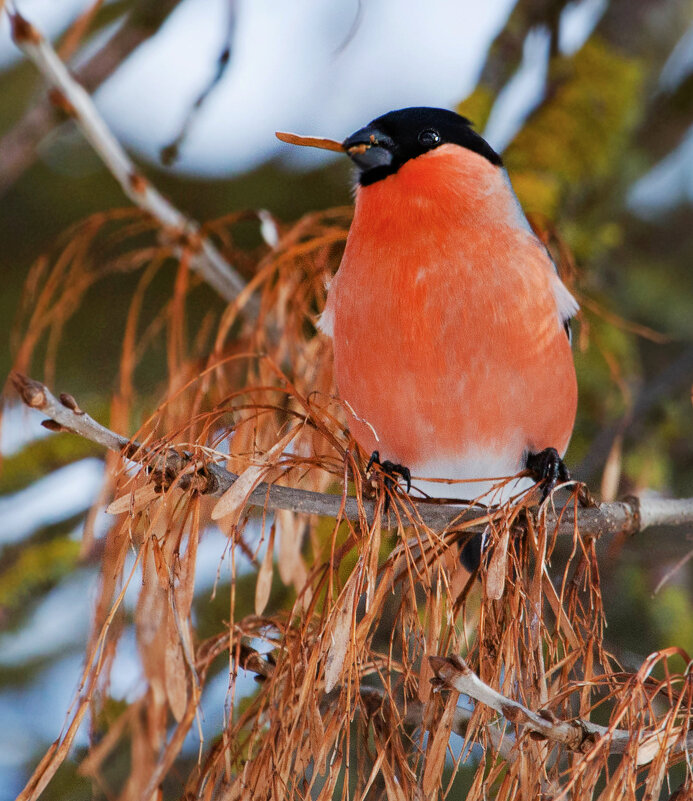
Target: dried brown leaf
{"type": "Point", "coordinates": [393, 785]}
{"type": "Point", "coordinates": [176, 682]}
{"type": "Point", "coordinates": [185, 587]}
{"type": "Point", "coordinates": [437, 748]}
{"type": "Point", "coordinates": [611, 477]}
{"type": "Point", "coordinates": [133, 502]}
{"type": "Point", "coordinates": [162, 570]}
{"type": "Point", "coordinates": [234, 499]}
{"type": "Point", "coordinates": [291, 526]}
{"type": "Point", "coordinates": [310, 141]}
{"type": "Point", "coordinates": [316, 730]}
{"type": "Point", "coordinates": [340, 636]}
{"type": "Point", "coordinates": [495, 575]}
{"type": "Point", "coordinates": [327, 791]}
{"type": "Point", "coordinates": [263, 586]}
{"type": "Point", "coordinates": [434, 611]}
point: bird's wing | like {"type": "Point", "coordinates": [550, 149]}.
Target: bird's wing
{"type": "Point", "coordinates": [566, 305]}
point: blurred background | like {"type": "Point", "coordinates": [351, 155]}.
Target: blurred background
{"type": "Point", "coordinates": [590, 103]}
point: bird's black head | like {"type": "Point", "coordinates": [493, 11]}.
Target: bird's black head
{"type": "Point", "coordinates": [386, 143]}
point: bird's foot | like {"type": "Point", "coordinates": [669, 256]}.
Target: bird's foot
{"type": "Point", "coordinates": [548, 469]}
{"type": "Point", "coordinates": [390, 472]}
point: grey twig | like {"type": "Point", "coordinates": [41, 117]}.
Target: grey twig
{"type": "Point", "coordinates": [170, 153]}
{"type": "Point", "coordinates": [184, 233]}
{"type": "Point", "coordinates": [629, 516]}
{"type": "Point", "coordinates": [19, 145]}
{"type": "Point", "coordinates": [577, 734]}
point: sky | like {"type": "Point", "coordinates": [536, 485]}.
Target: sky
{"type": "Point", "coordinates": [323, 67]}
{"type": "Point", "coordinates": [319, 66]}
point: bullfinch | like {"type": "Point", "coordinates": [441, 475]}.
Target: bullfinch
{"type": "Point", "coordinates": [449, 321]}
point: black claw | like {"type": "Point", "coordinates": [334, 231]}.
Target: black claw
{"type": "Point", "coordinates": [548, 469]}
{"type": "Point", "coordinates": [375, 459]}
{"type": "Point", "coordinates": [391, 470]}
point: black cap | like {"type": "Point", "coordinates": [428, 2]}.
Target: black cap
{"type": "Point", "coordinates": [386, 143]}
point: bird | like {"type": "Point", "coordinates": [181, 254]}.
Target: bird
{"type": "Point", "coordinates": [449, 321]}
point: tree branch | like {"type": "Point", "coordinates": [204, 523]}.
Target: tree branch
{"type": "Point", "coordinates": [577, 735]}
{"type": "Point", "coordinates": [375, 699]}
{"type": "Point", "coordinates": [185, 234]}
{"type": "Point", "coordinates": [629, 516]}
{"type": "Point", "coordinates": [18, 146]}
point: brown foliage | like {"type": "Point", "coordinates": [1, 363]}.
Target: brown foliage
{"type": "Point", "coordinates": [348, 704]}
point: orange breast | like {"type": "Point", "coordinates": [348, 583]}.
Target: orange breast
{"type": "Point", "coordinates": [446, 333]}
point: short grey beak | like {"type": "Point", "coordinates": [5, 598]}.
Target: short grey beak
{"type": "Point", "coordinates": [369, 148]}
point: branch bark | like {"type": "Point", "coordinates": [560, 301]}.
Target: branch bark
{"type": "Point", "coordinates": [629, 516]}
{"type": "Point", "coordinates": [577, 735]}
{"type": "Point", "coordinates": [183, 232]}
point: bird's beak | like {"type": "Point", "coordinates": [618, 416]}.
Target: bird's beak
{"type": "Point", "coordinates": [367, 147]}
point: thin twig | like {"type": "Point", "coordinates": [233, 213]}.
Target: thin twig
{"type": "Point", "coordinates": [577, 735]}
{"type": "Point", "coordinates": [18, 147]}
{"type": "Point", "coordinates": [171, 152]}
{"type": "Point", "coordinates": [183, 232]}
{"type": "Point", "coordinates": [413, 713]}
{"type": "Point", "coordinates": [629, 516]}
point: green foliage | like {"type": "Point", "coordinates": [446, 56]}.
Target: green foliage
{"type": "Point", "coordinates": [36, 566]}
{"type": "Point", "coordinates": [659, 297]}
{"type": "Point", "coordinates": [43, 457]}
{"type": "Point", "coordinates": [574, 140]}
{"type": "Point", "coordinates": [648, 465]}
{"type": "Point", "coordinates": [477, 106]}
{"type": "Point", "coordinates": [591, 239]}
{"type": "Point", "coordinates": [638, 615]}
{"type": "Point", "coordinates": [602, 391]}
{"type": "Point", "coordinates": [671, 613]}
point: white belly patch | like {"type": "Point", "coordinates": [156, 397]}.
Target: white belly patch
{"type": "Point", "coordinates": [488, 469]}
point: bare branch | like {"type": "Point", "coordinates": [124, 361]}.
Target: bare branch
{"type": "Point", "coordinates": [629, 516]}
{"type": "Point", "coordinates": [413, 714]}
{"type": "Point", "coordinates": [184, 233]}
{"type": "Point", "coordinates": [170, 153]}
{"type": "Point", "coordinates": [18, 146]}
{"type": "Point", "coordinates": [577, 735]}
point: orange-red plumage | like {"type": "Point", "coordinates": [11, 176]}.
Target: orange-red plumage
{"type": "Point", "coordinates": [447, 319]}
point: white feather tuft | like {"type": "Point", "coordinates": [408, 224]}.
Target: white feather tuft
{"type": "Point", "coordinates": [566, 304]}
{"type": "Point", "coordinates": [326, 321]}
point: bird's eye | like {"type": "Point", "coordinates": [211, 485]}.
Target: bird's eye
{"type": "Point", "coordinates": [429, 138]}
